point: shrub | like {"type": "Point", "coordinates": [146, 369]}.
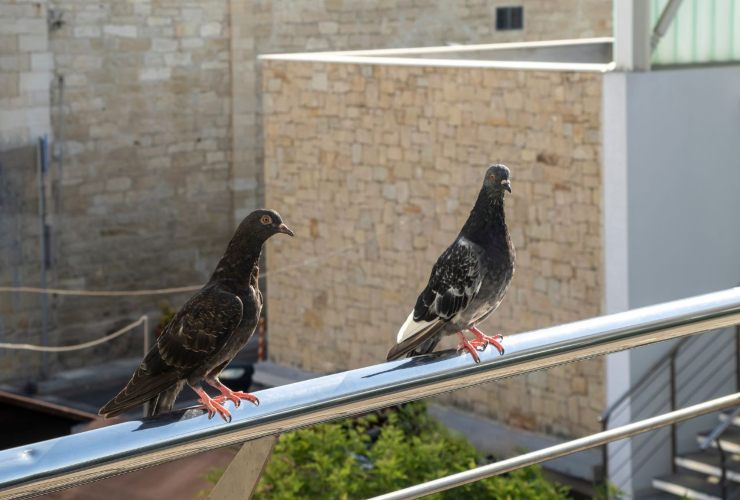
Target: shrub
{"type": "Point", "coordinates": [386, 451]}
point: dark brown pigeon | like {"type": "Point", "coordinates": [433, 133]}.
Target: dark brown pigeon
{"type": "Point", "coordinates": [468, 281]}
{"type": "Point", "coordinates": [209, 330]}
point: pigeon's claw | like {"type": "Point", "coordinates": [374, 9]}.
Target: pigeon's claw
{"type": "Point", "coordinates": [212, 406]}
{"type": "Point", "coordinates": [482, 339]}
{"type": "Point", "coordinates": [217, 408]}
{"type": "Point", "coordinates": [468, 346]}
{"type": "Point", "coordinates": [229, 395]}
{"type": "Point", "coordinates": [236, 397]}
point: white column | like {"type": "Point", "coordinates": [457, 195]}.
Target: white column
{"type": "Point", "coordinates": [616, 255]}
{"type": "Point", "coordinates": [632, 31]}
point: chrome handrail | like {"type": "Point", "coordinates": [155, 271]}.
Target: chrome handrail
{"type": "Point", "coordinates": [71, 460]}
{"type": "Point", "coordinates": [562, 449]}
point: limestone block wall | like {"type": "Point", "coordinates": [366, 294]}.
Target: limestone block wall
{"type": "Point", "coordinates": [142, 115]}
{"type": "Point", "coordinates": [20, 231]}
{"type": "Point", "coordinates": [308, 25]}
{"type": "Point", "coordinates": [144, 189]}
{"type": "Point", "coordinates": [25, 73]}
{"type": "Point", "coordinates": [377, 167]}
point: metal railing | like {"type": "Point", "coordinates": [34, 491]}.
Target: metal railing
{"type": "Point", "coordinates": [88, 456]}
{"type": "Point", "coordinates": [714, 438]}
{"type": "Point", "coordinates": [658, 386]}
{"type": "Point", "coordinates": [559, 450]}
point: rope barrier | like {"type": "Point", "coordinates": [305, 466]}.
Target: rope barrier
{"type": "Point", "coordinates": [98, 293]}
{"type": "Point", "coordinates": [76, 347]}
{"type": "Point", "coordinates": [142, 292]}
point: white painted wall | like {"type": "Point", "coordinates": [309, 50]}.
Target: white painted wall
{"type": "Point", "coordinates": [682, 170]}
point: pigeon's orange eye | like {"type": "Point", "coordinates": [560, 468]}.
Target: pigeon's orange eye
{"type": "Point", "coordinates": [266, 219]}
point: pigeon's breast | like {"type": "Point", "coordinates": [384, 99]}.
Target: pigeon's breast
{"type": "Point", "coordinates": [252, 300]}
{"type": "Point", "coordinates": [491, 293]}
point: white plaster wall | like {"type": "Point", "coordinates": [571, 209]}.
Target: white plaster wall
{"type": "Point", "coordinates": [682, 171]}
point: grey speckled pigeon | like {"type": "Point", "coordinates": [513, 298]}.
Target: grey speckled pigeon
{"type": "Point", "coordinates": [468, 281]}
{"type": "Point", "coordinates": [209, 330]}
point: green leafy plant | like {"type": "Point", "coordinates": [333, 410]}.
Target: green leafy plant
{"type": "Point", "coordinates": [386, 451]}
{"type": "Point", "coordinates": [607, 491]}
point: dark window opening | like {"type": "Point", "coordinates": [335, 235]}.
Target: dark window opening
{"type": "Point", "coordinates": [509, 18]}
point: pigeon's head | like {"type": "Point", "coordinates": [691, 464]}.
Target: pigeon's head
{"type": "Point", "coordinates": [497, 179]}
{"type": "Point", "coordinates": [265, 223]}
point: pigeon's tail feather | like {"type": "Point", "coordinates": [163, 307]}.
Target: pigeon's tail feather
{"type": "Point", "coordinates": [422, 342]}
{"type": "Point", "coordinates": [165, 401]}
{"type": "Point", "coordinates": [426, 347]}
{"type": "Point", "coordinates": [411, 327]}
{"type": "Point", "coordinates": [142, 387]}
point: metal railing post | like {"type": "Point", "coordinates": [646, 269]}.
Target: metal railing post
{"type": "Point", "coordinates": [723, 464]}
{"type": "Point", "coordinates": [737, 358]}
{"type": "Point", "coordinates": [674, 427]}
{"type": "Point", "coordinates": [239, 480]}
{"type": "Point", "coordinates": [605, 455]}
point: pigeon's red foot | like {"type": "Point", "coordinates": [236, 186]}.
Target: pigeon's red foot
{"type": "Point", "coordinates": [213, 406]}
{"type": "Point", "coordinates": [482, 340]}
{"type": "Point", "coordinates": [466, 344]}
{"type": "Point", "coordinates": [236, 397]}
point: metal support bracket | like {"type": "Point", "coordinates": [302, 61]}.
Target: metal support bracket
{"type": "Point", "coordinates": [243, 473]}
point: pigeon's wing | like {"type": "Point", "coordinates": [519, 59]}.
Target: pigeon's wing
{"type": "Point", "coordinates": [456, 278]}
{"type": "Point", "coordinates": [196, 333]}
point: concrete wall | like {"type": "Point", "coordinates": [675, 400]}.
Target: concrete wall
{"type": "Point", "coordinates": [376, 168]}
{"type": "Point", "coordinates": [682, 172]}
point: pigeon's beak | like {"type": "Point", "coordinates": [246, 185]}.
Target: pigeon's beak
{"type": "Point", "coordinates": [282, 228]}
{"type": "Point", "coordinates": [507, 184]}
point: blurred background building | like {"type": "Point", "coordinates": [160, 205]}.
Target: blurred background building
{"type": "Point", "coordinates": [163, 129]}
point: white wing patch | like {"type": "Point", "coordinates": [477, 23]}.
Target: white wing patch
{"type": "Point", "coordinates": [411, 327]}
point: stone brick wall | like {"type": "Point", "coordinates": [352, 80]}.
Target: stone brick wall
{"type": "Point", "coordinates": [25, 73]}
{"type": "Point", "coordinates": [20, 320]}
{"type": "Point", "coordinates": [147, 138]}
{"type": "Point", "coordinates": [308, 25]}
{"type": "Point", "coordinates": [142, 198]}
{"type": "Point", "coordinates": [377, 167]}
{"type": "Point", "coordinates": [154, 108]}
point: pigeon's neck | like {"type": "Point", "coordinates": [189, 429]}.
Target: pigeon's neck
{"type": "Point", "coordinates": [487, 221]}
{"type": "Point", "coordinates": [239, 266]}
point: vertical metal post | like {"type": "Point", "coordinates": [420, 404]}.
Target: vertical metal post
{"type": "Point", "coordinates": [737, 358]}
{"type": "Point", "coordinates": [261, 355]}
{"type": "Point", "coordinates": [43, 165]}
{"type": "Point", "coordinates": [605, 457]}
{"type": "Point", "coordinates": [147, 343]}
{"type": "Point", "coordinates": [674, 427]}
{"type": "Point", "coordinates": [723, 464]}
